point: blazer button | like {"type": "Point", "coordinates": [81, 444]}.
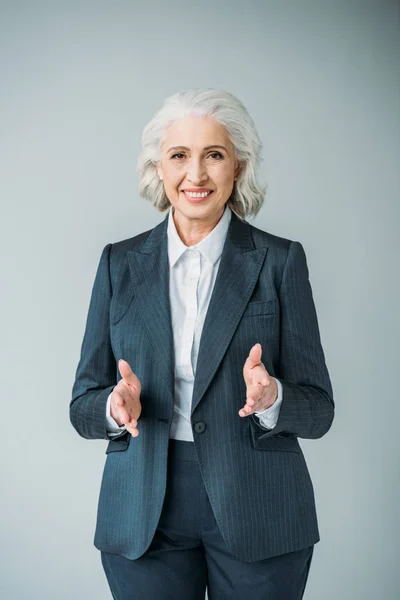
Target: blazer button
{"type": "Point", "coordinates": [200, 427]}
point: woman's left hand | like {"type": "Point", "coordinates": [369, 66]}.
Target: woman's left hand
{"type": "Point", "coordinates": [262, 389]}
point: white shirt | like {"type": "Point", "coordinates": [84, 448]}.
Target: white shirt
{"type": "Point", "coordinates": [193, 271]}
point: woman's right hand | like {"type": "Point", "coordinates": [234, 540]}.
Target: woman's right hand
{"type": "Point", "coordinates": [125, 407]}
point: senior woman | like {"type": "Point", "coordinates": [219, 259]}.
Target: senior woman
{"type": "Point", "coordinates": [202, 365]}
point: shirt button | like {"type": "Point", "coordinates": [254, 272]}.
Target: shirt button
{"type": "Point", "coordinates": [192, 309]}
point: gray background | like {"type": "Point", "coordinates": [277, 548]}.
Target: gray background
{"type": "Point", "coordinates": [79, 81]}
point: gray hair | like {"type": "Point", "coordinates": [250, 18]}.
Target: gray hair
{"type": "Point", "coordinates": [247, 195]}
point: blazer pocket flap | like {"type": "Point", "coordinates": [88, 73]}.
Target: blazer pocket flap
{"type": "Point", "coordinates": [260, 307]}
{"type": "Point", "coordinates": [119, 444]}
{"type": "Point", "coordinates": [277, 442]}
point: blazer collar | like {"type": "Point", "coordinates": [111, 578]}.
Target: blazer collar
{"type": "Point", "coordinates": [239, 234]}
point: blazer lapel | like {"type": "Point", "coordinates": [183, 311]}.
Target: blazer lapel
{"type": "Point", "coordinates": [237, 275]}
{"type": "Point", "coordinates": [149, 267]}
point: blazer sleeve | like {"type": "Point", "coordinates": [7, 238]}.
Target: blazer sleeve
{"type": "Point", "coordinates": [307, 409]}
{"type": "Point", "coordinates": [96, 372]}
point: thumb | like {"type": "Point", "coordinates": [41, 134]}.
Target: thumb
{"type": "Point", "coordinates": [127, 374]}
{"type": "Point", "coordinates": [254, 357]}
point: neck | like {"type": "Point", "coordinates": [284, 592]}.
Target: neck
{"type": "Point", "coordinates": [192, 231]}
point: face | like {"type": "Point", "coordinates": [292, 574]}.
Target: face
{"type": "Point", "coordinates": [197, 158]}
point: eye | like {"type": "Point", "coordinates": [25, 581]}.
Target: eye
{"type": "Point", "coordinates": [218, 154]}
{"type": "Point", "coordinates": [177, 154]}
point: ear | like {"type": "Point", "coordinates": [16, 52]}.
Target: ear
{"type": "Point", "coordinates": [237, 169]}
{"type": "Point", "coordinates": [159, 171]}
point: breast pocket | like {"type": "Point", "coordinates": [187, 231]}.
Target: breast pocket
{"type": "Point", "coordinates": [260, 307]}
{"type": "Point", "coordinates": [119, 307]}
{"type": "Point", "coordinates": [123, 296]}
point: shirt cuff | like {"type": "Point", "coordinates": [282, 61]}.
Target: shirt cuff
{"type": "Point", "coordinates": [269, 417]}
{"type": "Point", "coordinates": [112, 426]}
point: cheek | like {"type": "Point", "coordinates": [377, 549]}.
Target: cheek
{"type": "Point", "coordinates": [173, 175]}
{"type": "Point", "coordinates": [171, 180]}
{"type": "Point", "coordinates": [224, 175]}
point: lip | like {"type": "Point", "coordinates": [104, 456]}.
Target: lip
{"type": "Point", "coordinates": [197, 200]}
{"type": "Point", "coordinates": [197, 190]}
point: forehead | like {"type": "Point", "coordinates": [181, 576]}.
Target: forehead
{"type": "Point", "coordinates": [196, 131]}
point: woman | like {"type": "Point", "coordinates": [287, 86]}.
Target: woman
{"type": "Point", "coordinates": [202, 364]}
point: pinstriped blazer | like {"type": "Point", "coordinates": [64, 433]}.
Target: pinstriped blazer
{"type": "Point", "coordinates": [257, 479]}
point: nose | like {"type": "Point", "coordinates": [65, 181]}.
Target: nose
{"type": "Point", "coordinates": [197, 172]}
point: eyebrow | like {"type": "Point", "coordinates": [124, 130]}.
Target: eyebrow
{"type": "Point", "coordinates": [205, 148]}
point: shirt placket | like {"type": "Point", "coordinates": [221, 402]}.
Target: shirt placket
{"type": "Point", "coordinates": [191, 304]}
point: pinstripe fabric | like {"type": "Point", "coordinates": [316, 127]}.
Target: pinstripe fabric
{"type": "Point", "coordinates": [257, 480]}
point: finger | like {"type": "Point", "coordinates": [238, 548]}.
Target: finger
{"type": "Point", "coordinates": [134, 431]}
{"type": "Point", "coordinates": [123, 416]}
{"type": "Point", "coordinates": [255, 403]}
{"type": "Point", "coordinates": [117, 399]}
{"type": "Point", "coordinates": [248, 410]}
{"type": "Point", "coordinates": [252, 404]}
{"type": "Point", "coordinates": [245, 411]}
{"type": "Point", "coordinates": [132, 422]}
{"type": "Point", "coordinates": [127, 374]}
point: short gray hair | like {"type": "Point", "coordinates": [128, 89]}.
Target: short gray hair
{"type": "Point", "coordinates": [247, 195]}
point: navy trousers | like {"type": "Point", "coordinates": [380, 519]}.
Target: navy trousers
{"type": "Point", "coordinates": [188, 554]}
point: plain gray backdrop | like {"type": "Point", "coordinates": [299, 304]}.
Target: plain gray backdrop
{"type": "Point", "coordinates": [79, 81]}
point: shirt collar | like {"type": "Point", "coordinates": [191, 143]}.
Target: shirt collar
{"type": "Point", "coordinates": [210, 247]}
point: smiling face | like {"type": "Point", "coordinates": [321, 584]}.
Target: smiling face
{"type": "Point", "coordinates": [198, 167]}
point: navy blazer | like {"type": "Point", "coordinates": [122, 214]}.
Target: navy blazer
{"type": "Point", "coordinates": [256, 479]}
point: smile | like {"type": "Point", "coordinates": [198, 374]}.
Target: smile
{"type": "Point", "coordinates": [197, 195]}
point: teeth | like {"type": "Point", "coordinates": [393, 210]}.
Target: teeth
{"type": "Point", "coordinates": [197, 194]}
